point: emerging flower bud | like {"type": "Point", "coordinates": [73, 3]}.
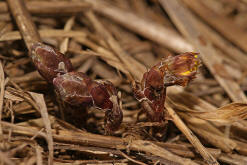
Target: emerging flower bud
{"type": "Point", "coordinates": [181, 69]}
{"type": "Point", "coordinates": [77, 88]}
{"type": "Point", "coordinates": [177, 70]}
{"type": "Point", "coordinates": [49, 62]}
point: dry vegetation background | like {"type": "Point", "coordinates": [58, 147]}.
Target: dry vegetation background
{"type": "Point", "coordinates": [112, 39]}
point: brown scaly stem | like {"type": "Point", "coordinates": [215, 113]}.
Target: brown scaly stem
{"type": "Point", "coordinates": [75, 88]}
{"type": "Point", "coordinates": [151, 92]}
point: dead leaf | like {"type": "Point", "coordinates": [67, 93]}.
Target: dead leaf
{"type": "Point", "coordinates": [227, 114]}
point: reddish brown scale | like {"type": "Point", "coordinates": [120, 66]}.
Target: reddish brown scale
{"type": "Point", "coordinates": [113, 114]}
{"type": "Point", "coordinates": [49, 62]}
{"type": "Point", "coordinates": [153, 78]}
{"type": "Point", "coordinates": [73, 88]}
{"type": "Point", "coordinates": [77, 88]}
{"type": "Point", "coordinates": [177, 70]}
{"type": "Point", "coordinates": [101, 93]}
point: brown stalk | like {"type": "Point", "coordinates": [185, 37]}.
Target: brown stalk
{"type": "Point", "coordinates": [51, 8]}
{"type": "Point", "coordinates": [2, 86]}
{"type": "Point", "coordinates": [208, 131]}
{"type": "Point", "coordinates": [187, 100]}
{"type": "Point", "coordinates": [39, 99]}
{"type": "Point", "coordinates": [39, 154]}
{"type": "Point", "coordinates": [233, 159]}
{"type": "Point", "coordinates": [15, 35]}
{"type": "Point", "coordinates": [131, 159]}
{"type": "Point", "coordinates": [67, 27]}
{"type": "Point", "coordinates": [5, 17]}
{"type": "Point", "coordinates": [216, 140]}
{"type": "Point", "coordinates": [191, 137]}
{"type": "Point", "coordinates": [184, 150]}
{"type": "Point", "coordinates": [23, 19]}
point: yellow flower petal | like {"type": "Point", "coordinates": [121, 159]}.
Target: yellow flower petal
{"type": "Point", "coordinates": [185, 73]}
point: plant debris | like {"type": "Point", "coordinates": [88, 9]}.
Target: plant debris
{"type": "Point", "coordinates": [110, 96]}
